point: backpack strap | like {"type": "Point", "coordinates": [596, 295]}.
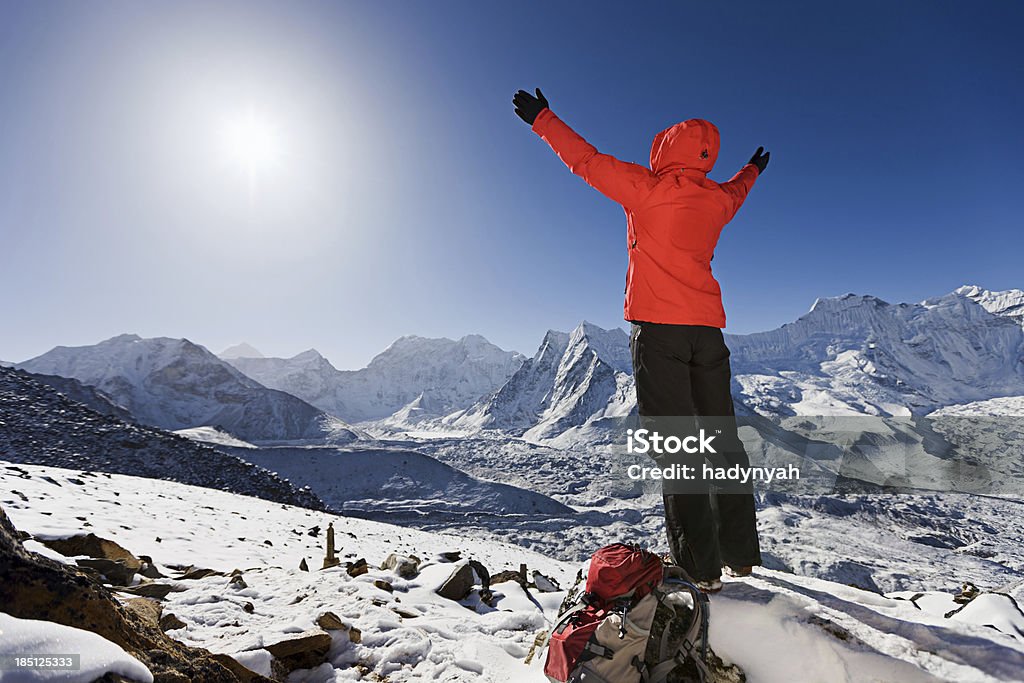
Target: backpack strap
{"type": "Point", "coordinates": [696, 634]}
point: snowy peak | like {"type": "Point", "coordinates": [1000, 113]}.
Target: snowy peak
{"type": "Point", "coordinates": [176, 384]}
{"type": "Point", "coordinates": [611, 346]}
{"type": "Point", "coordinates": [1009, 303]}
{"type": "Point", "coordinates": [242, 350]}
{"type": "Point", "coordinates": [860, 354]}
{"type": "Point", "coordinates": [573, 379]}
{"type": "Point", "coordinates": [444, 375]}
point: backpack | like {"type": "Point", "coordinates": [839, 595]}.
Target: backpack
{"type": "Point", "coordinates": [636, 621]}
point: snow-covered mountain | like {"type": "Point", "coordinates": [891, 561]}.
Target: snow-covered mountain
{"type": "Point", "coordinates": [426, 377]}
{"type": "Point", "coordinates": [860, 355]}
{"type": "Point", "coordinates": [850, 355]}
{"type": "Point", "coordinates": [1009, 303]}
{"type": "Point", "coordinates": [573, 381]}
{"type": "Point", "coordinates": [176, 384]}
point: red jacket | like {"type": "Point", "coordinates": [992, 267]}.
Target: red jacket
{"type": "Point", "coordinates": [674, 215]}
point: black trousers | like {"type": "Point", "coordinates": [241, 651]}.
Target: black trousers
{"type": "Point", "coordinates": [683, 370]}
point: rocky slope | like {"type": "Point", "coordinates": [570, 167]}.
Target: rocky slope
{"type": "Point", "coordinates": [39, 425]}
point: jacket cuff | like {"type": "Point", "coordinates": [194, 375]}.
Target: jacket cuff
{"type": "Point", "coordinates": [542, 120]}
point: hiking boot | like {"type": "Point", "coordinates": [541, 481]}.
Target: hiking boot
{"type": "Point", "coordinates": [709, 585]}
{"type": "Point", "coordinates": [738, 572]}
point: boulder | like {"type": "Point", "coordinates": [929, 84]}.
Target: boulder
{"type": "Point", "coordinates": [458, 584]}
{"type": "Point", "coordinates": [329, 621]}
{"type": "Point", "coordinates": [93, 546]}
{"type": "Point", "coordinates": [358, 568]}
{"type": "Point", "coordinates": [406, 567]}
{"type": "Point", "coordinates": [303, 651]}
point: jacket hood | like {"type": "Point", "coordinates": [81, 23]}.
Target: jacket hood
{"type": "Point", "coordinates": [691, 144]}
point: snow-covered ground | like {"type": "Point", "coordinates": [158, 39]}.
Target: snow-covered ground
{"type": "Point", "coordinates": [776, 626]}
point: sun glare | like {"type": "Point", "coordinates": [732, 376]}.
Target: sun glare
{"type": "Point", "coordinates": [252, 141]}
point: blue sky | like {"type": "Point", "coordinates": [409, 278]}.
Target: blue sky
{"type": "Point", "coordinates": [407, 198]}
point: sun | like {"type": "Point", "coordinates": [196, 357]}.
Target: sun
{"type": "Point", "coordinates": [252, 141]}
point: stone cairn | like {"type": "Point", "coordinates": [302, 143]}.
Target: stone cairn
{"type": "Point", "coordinates": [331, 559]}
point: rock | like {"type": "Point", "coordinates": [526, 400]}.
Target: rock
{"type": "Point", "coordinates": [148, 568]}
{"type": "Point", "coordinates": [329, 621]}
{"type": "Point", "coordinates": [507, 575]}
{"type": "Point", "coordinates": [238, 582]}
{"type": "Point", "coordinates": [93, 546]}
{"type": "Point", "coordinates": [117, 572]}
{"type": "Point", "coordinates": [241, 673]}
{"type": "Point", "coordinates": [169, 622]}
{"type": "Point", "coordinates": [451, 556]}
{"type": "Point", "coordinates": [159, 591]}
{"type": "Point", "coordinates": [459, 584]}
{"type": "Point", "coordinates": [355, 635]}
{"type": "Point", "coordinates": [406, 567]}
{"type": "Point", "coordinates": [248, 608]}
{"type": "Point", "coordinates": [195, 573]}
{"type": "Point", "coordinates": [545, 584]}
{"type": "Point", "coordinates": [358, 568]}
{"type": "Point", "coordinates": [147, 608]}
{"type": "Point", "coordinates": [36, 587]}
{"type": "Point", "coordinates": [303, 651]}
{"type": "Point", "coordinates": [404, 613]}
{"type": "Point", "coordinates": [384, 585]}
{"type": "Point", "coordinates": [303, 566]}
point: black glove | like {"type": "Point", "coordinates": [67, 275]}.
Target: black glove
{"type": "Point", "coordinates": [760, 159]}
{"type": "Point", "coordinates": [529, 107]}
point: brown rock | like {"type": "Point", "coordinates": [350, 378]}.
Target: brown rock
{"type": "Point", "coordinates": [355, 635]}
{"type": "Point", "coordinates": [193, 573]}
{"type": "Point", "coordinates": [303, 651]}
{"type": "Point", "coordinates": [358, 568]}
{"type": "Point", "coordinates": [93, 546]}
{"type": "Point", "coordinates": [384, 585]}
{"type": "Point", "coordinates": [458, 585]}
{"type": "Point", "coordinates": [116, 572]}
{"type": "Point", "coordinates": [329, 621]}
{"type": "Point", "coordinates": [507, 575]}
{"type": "Point", "coordinates": [241, 673]}
{"type": "Point", "coordinates": [151, 590]}
{"type": "Point", "coordinates": [170, 622]}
